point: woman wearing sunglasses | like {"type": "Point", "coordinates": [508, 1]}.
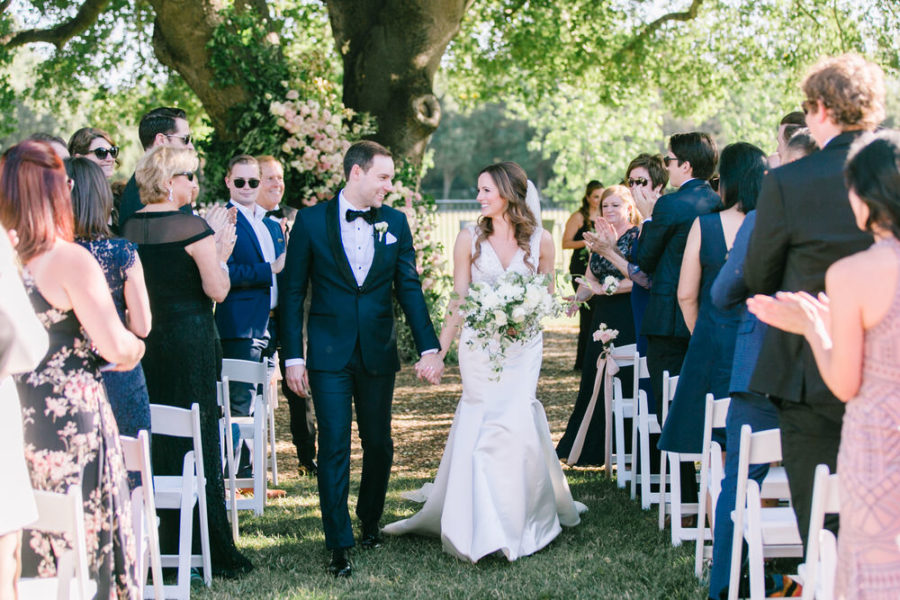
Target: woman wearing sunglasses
{"type": "Point", "coordinates": [184, 268]}
{"type": "Point", "coordinates": [96, 146]}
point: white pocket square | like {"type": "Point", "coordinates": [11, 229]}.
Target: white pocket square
{"type": "Point", "coordinates": [389, 239]}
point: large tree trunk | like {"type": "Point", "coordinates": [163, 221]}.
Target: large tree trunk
{"type": "Point", "coordinates": [391, 51]}
{"type": "Point", "coordinates": [181, 33]}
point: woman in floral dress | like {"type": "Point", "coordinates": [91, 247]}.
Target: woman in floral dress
{"type": "Point", "coordinates": [70, 433]}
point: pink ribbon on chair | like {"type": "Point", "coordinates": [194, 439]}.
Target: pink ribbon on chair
{"type": "Point", "coordinates": [606, 369]}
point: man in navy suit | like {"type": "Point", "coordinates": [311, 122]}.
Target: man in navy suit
{"type": "Point", "coordinates": [691, 161]}
{"type": "Point", "coordinates": [258, 256]}
{"type": "Point", "coordinates": [354, 256]}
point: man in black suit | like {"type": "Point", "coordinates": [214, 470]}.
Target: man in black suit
{"type": "Point", "coordinates": [354, 256]}
{"type": "Point", "coordinates": [691, 161]}
{"type": "Point", "coordinates": [162, 126]}
{"type": "Point", "coordinates": [804, 224]}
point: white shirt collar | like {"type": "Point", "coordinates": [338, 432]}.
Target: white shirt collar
{"type": "Point", "coordinates": [251, 213]}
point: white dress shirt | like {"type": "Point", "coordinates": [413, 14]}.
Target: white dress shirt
{"type": "Point", "coordinates": [358, 238]}
{"type": "Point", "coordinates": [255, 215]}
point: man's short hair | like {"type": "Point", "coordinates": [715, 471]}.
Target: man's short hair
{"type": "Point", "coordinates": [48, 138]}
{"type": "Point", "coordinates": [158, 120]}
{"type": "Point", "coordinates": [241, 159]}
{"type": "Point", "coordinates": [699, 149]}
{"type": "Point", "coordinates": [361, 153]}
{"type": "Point", "coordinates": [850, 87]}
{"type": "Point", "coordinates": [265, 159]}
{"type": "Point", "coordinates": [800, 142]}
{"type": "Point", "coordinates": [659, 176]}
{"type": "Point", "coordinates": [794, 118]}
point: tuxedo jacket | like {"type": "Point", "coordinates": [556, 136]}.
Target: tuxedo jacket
{"type": "Point", "coordinates": [804, 224]}
{"type": "Point", "coordinates": [343, 313]}
{"type": "Point", "coordinates": [661, 248]}
{"type": "Point", "coordinates": [730, 291]}
{"type": "Point", "coordinates": [245, 311]}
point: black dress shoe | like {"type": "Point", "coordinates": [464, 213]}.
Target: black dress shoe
{"type": "Point", "coordinates": [371, 538]}
{"type": "Point", "coordinates": [308, 468]}
{"type": "Point", "coordinates": [340, 564]}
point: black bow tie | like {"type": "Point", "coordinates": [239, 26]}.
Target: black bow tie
{"type": "Point", "coordinates": [367, 215]}
{"type": "Point", "coordinates": [278, 213]}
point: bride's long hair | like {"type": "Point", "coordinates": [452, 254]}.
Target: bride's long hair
{"type": "Point", "coordinates": [512, 185]}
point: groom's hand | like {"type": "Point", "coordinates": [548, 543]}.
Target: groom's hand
{"type": "Point", "coordinates": [297, 379]}
{"type": "Point", "coordinates": [430, 368]}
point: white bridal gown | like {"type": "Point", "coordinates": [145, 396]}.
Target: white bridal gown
{"type": "Point", "coordinates": [500, 487]}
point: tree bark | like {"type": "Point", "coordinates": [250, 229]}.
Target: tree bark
{"type": "Point", "coordinates": [181, 32]}
{"type": "Point", "coordinates": [391, 51]}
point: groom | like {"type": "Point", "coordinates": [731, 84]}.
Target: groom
{"type": "Point", "coordinates": [353, 255]}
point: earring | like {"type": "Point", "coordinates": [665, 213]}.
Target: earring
{"type": "Point", "coordinates": [170, 195]}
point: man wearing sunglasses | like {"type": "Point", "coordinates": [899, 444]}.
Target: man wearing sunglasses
{"type": "Point", "coordinates": [258, 256]}
{"type": "Point", "coordinates": [160, 127]}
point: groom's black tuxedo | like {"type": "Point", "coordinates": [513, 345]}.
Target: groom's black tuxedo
{"type": "Point", "coordinates": [352, 353]}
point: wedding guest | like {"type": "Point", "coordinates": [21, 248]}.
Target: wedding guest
{"type": "Point", "coordinates": [185, 271]}
{"type": "Point", "coordinates": [800, 144]}
{"type": "Point", "coordinates": [853, 333]}
{"type": "Point", "coordinates": [786, 128]}
{"type": "Point", "coordinates": [791, 251]}
{"type": "Point", "coordinates": [23, 344]}
{"type": "Point", "coordinates": [56, 142]}
{"type": "Point", "coordinates": [613, 307]}
{"type": "Point", "coordinates": [303, 422]}
{"type": "Point", "coordinates": [96, 146]}
{"type": "Point", "coordinates": [579, 222]}
{"type": "Point", "coordinates": [747, 407]}
{"type": "Point", "coordinates": [707, 364]}
{"type": "Point", "coordinates": [162, 126]}
{"type": "Point", "coordinates": [91, 205]}
{"type": "Point", "coordinates": [690, 160]}
{"type": "Point", "coordinates": [242, 318]}
{"type": "Point", "coordinates": [69, 430]}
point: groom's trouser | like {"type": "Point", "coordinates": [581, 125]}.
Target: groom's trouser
{"type": "Point", "coordinates": [333, 392]}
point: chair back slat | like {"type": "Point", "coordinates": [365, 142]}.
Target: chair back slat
{"type": "Point", "coordinates": [245, 371]}
{"type": "Point", "coordinates": [766, 447]}
{"type": "Point", "coordinates": [170, 420]}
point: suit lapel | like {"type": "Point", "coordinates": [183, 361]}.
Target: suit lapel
{"type": "Point", "coordinates": [248, 231]}
{"type": "Point", "coordinates": [333, 227]}
{"type": "Point", "coordinates": [380, 250]}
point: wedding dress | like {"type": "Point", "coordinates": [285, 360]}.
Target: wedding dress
{"type": "Point", "coordinates": [499, 487]}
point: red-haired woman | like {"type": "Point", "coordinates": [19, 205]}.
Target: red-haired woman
{"type": "Point", "coordinates": [70, 433]}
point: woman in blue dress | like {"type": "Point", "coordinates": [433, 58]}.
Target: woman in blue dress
{"type": "Point", "coordinates": [92, 204]}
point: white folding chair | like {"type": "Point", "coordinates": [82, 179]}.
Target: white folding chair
{"type": "Point", "coordinates": [226, 442]}
{"type": "Point", "coordinates": [647, 425]}
{"type": "Point", "coordinates": [274, 376]}
{"type": "Point", "coordinates": [827, 564]}
{"type": "Point", "coordinates": [669, 385]}
{"type": "Point", "coordinates": [625, 408]}
{"type": "Point", "coordinates": [143, 510]}
{"type": "Point", "coordinates": [252, 428]}
{"type": "Point", "coordinates": [769, 531]}
{"type": "Point", "coordinates": [182, 492]}
{"type": "Point", "coordinates": [711, 473]}
{"type": "Point", "coordinates": [817, 572]}
{"type": "Point", "coordinates": [62, 514]}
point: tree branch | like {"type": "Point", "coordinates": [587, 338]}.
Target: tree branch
{"type": "Point", "coordinates": [58, 35]}
{"type": "Point", "coordinates": [651, 28]}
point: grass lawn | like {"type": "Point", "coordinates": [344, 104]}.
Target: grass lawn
{"type": "Point", "coordinates": [616, 552]}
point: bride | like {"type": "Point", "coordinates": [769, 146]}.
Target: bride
{"type": "Point", "coordinates": [500, 487]}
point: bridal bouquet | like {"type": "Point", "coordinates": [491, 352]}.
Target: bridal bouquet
{"type": "Point", "coordinates": [507, 312]}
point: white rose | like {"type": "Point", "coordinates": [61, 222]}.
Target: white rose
{"type": "Point", "coordinates": [518, 314]}
{"type": "Point", "coordinates": [500, 318]}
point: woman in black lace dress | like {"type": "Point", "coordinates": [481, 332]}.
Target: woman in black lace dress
{"type": "Point", "coordinates": [183, 267]}
{"type": "Point", "coordinates": [70, 433]}
{"type": "Point", "coordinates": [612, 308]}
{"type": "Point", "coordinates": [92, 204]}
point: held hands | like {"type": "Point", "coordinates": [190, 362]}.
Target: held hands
{"type": "Point", "coordinates": [430, 368]}
{"type": "Point", "coordinates": [297, 379]}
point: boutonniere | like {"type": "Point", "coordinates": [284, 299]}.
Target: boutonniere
{"type": "Point", "coordinates": [381, 228]}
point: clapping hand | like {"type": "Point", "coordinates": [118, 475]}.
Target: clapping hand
{"type": "Point", "coordinates": [222, 221]}
{"type": "Point", "coordinates": [580, 284]}
{"type": "Point", "coordinates": [430, 368]}
{"type": "Point", "coordinates": [218, 216]}
{"type": "Point", "coordinates": [794, 312]}
{"type": "Point", "coordinates": [645, 199]}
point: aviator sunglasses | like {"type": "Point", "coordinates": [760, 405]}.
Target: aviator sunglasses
{"type": "Point", "coordinates": [239, 183]}
{"type": "Point", "coordinates": [102, 153]}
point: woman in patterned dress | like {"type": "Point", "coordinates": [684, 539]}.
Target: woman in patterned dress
{"type": "Point", "coordinates": [70, 433]}
{"type": "Point", "coordinates": [854, 333]}
{"type": "Point", "coordinates": [92, 204]}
